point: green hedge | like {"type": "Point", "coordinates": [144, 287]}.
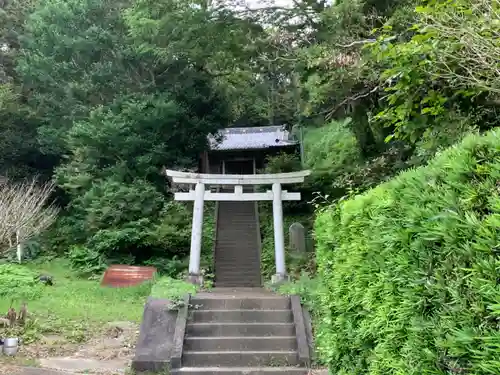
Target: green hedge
{"type": "Point", "coordinates": [412, 270]}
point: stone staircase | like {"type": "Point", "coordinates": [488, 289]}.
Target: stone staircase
{"type": "Point", "coordinates": [243, 335]}
{"type": "Point", "coordinates": [237, 245]}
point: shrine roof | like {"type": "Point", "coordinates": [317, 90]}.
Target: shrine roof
{"type": "Point", "coordinates": [260, 137]}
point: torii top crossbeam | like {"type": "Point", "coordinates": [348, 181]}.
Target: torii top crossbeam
{"type": "Point", "coordinates": [237, 179]}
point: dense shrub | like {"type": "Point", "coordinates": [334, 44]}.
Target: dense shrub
{"type": "Point", "coordinates": [412, 270]}
{"type": "Point", "coordinates": [283, 163]}
{"type": "Point", "coordinates": [18, 283]}
{"type": "Point", "coordinates": [331, 147]}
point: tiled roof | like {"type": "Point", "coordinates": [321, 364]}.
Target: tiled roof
{"type": "Point", "coordinates": [252, 138]}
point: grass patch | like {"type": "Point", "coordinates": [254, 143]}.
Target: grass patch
{"type": "Point", "coordinates": [74, 307]}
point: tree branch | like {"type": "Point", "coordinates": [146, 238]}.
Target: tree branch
{"type": "Point", "coordinates": [350, 99]}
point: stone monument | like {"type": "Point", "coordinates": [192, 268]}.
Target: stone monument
{"type": "Point", "coordinates": [297, 238]}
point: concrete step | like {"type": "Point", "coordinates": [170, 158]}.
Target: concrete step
{"type": "Point", "coordinates": [240, 242]}
{"type": "Point", "coordinates": [278, 303]}
{"type": "Point", "coordinates": [243, 316]}
{"type": "Point", "coordinates": [231, 343]}
{"type": "Point", "coordinates": [239, 358]}
{"type": "Point", "coordinates": [239, 281]}
{"type": "Point", "coordinates": [237, 284]}
{"type": "Point", "coordinates": [240, 217]}
{"type": "Point", "coordinates": [240, 329]}
{"type": "Point", "coordinates": [241, 371]}
{"type": "Point", "coordinates": [243, 264]}
{"type": "Point", "coordinates": [227, 259]}
{"type": "Point", "coordinates": [246, 271]}
{"type": "Point", "coordinates": [242, 275]}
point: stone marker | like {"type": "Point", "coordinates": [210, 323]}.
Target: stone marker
{"type": "Point", "coordinates": [297, 234]}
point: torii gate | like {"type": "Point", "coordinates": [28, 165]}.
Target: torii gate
{"type": "Point", "coordinates": [199, 195]}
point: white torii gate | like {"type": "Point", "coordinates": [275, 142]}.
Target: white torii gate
{"type": "Point", "coordinates": [199, 195]}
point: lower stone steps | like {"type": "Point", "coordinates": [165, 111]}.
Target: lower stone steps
{"type": "Point", "coordinates": [240, 371]}
{"type": "Point", "coordinates": [242, 333]}
{"type": "Point", "coordinates": [240, 329]}
{"type": "Point", "coordinates": [239, 358]}
{"type": "Point", "coordinates": [268, 303]}
{"type": "Point", "coordinates": [247, 316]}
{"type": "Point", "coordinates": [232, 343]}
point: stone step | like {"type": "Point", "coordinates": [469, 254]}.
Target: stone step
{"type": "Point", "coordinates": [239, 358]}
{"type": "Point", "coordinates": [232, 229]}
{"type": "Point", "coordinates": [249, 244]}
{"type": "Point", "coordinates": [241, 217]}
{"type": "Point", "coordinates": [238, 283]}
{"type": "Point", "coordinates": [241, 371]}
{"type": "Point", "coordinates": [243, 264]}
{"type": "Point", "coordinates": [243, 316]}
{"type": "Point", "coordinates": [230, 259]}
{"type": "Point", "coordinates": [232, 343]}
{"type": "Point", "coordinates": [241, 279]}
{"type": "Point", "coordinates": [243, 274]}
{"type": "Point", "coordinates": [224, 256]}
{"type": "Point", "coordinates": [278, 303]}
{"type": "Point", "coordinates": [246, 271]}
{"type": "Point", "coordinates": [241, 243]}
{"type": "Point", "coordinates": [240, 329]}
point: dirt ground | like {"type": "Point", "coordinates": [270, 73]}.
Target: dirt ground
{"type": "Point", "coordinates": [108, 353]}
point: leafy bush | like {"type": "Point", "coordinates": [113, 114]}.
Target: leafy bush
{"type": "Point", "coordinates": [18, 283]}
{"type": "Point", "coordinates": [172, 289]}
{"type": "Point", "coordinates": [330, 147]}
{"type": "Point", "coordinates": [283, 163]}
{"type": "Point", "coordinates": [411, 270]}
{"type": "Point", "coordinates": [167, 267]}
{"type": "Point", "coordinates": [86, 261]}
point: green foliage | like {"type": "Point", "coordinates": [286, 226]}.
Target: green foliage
{"type": "Point", "coordinates": [296, 263]}
{"type": "Point", "coordinates": [73, 308]}
{"type": "Point", "coordinates": [86, 261]}
{"type": "Point", "coordinates": [311, 291]}
{"type": "Point", "coordinates": [18, 283]}
{"type": "Point", "coordinates": [330, 147]}
{"type": "Point", "coordinates": [170, 267]}
{"type": "Point", "coordinates": [172, 289]}
{"type": "Point", "coordinates": [411, 269]}
{"type": "Point", "coordinates": [283, 163]}
{"type": "Point", "coordinates": [112, 119]}
{"type": "Point", "coordinates": [439, 69]}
